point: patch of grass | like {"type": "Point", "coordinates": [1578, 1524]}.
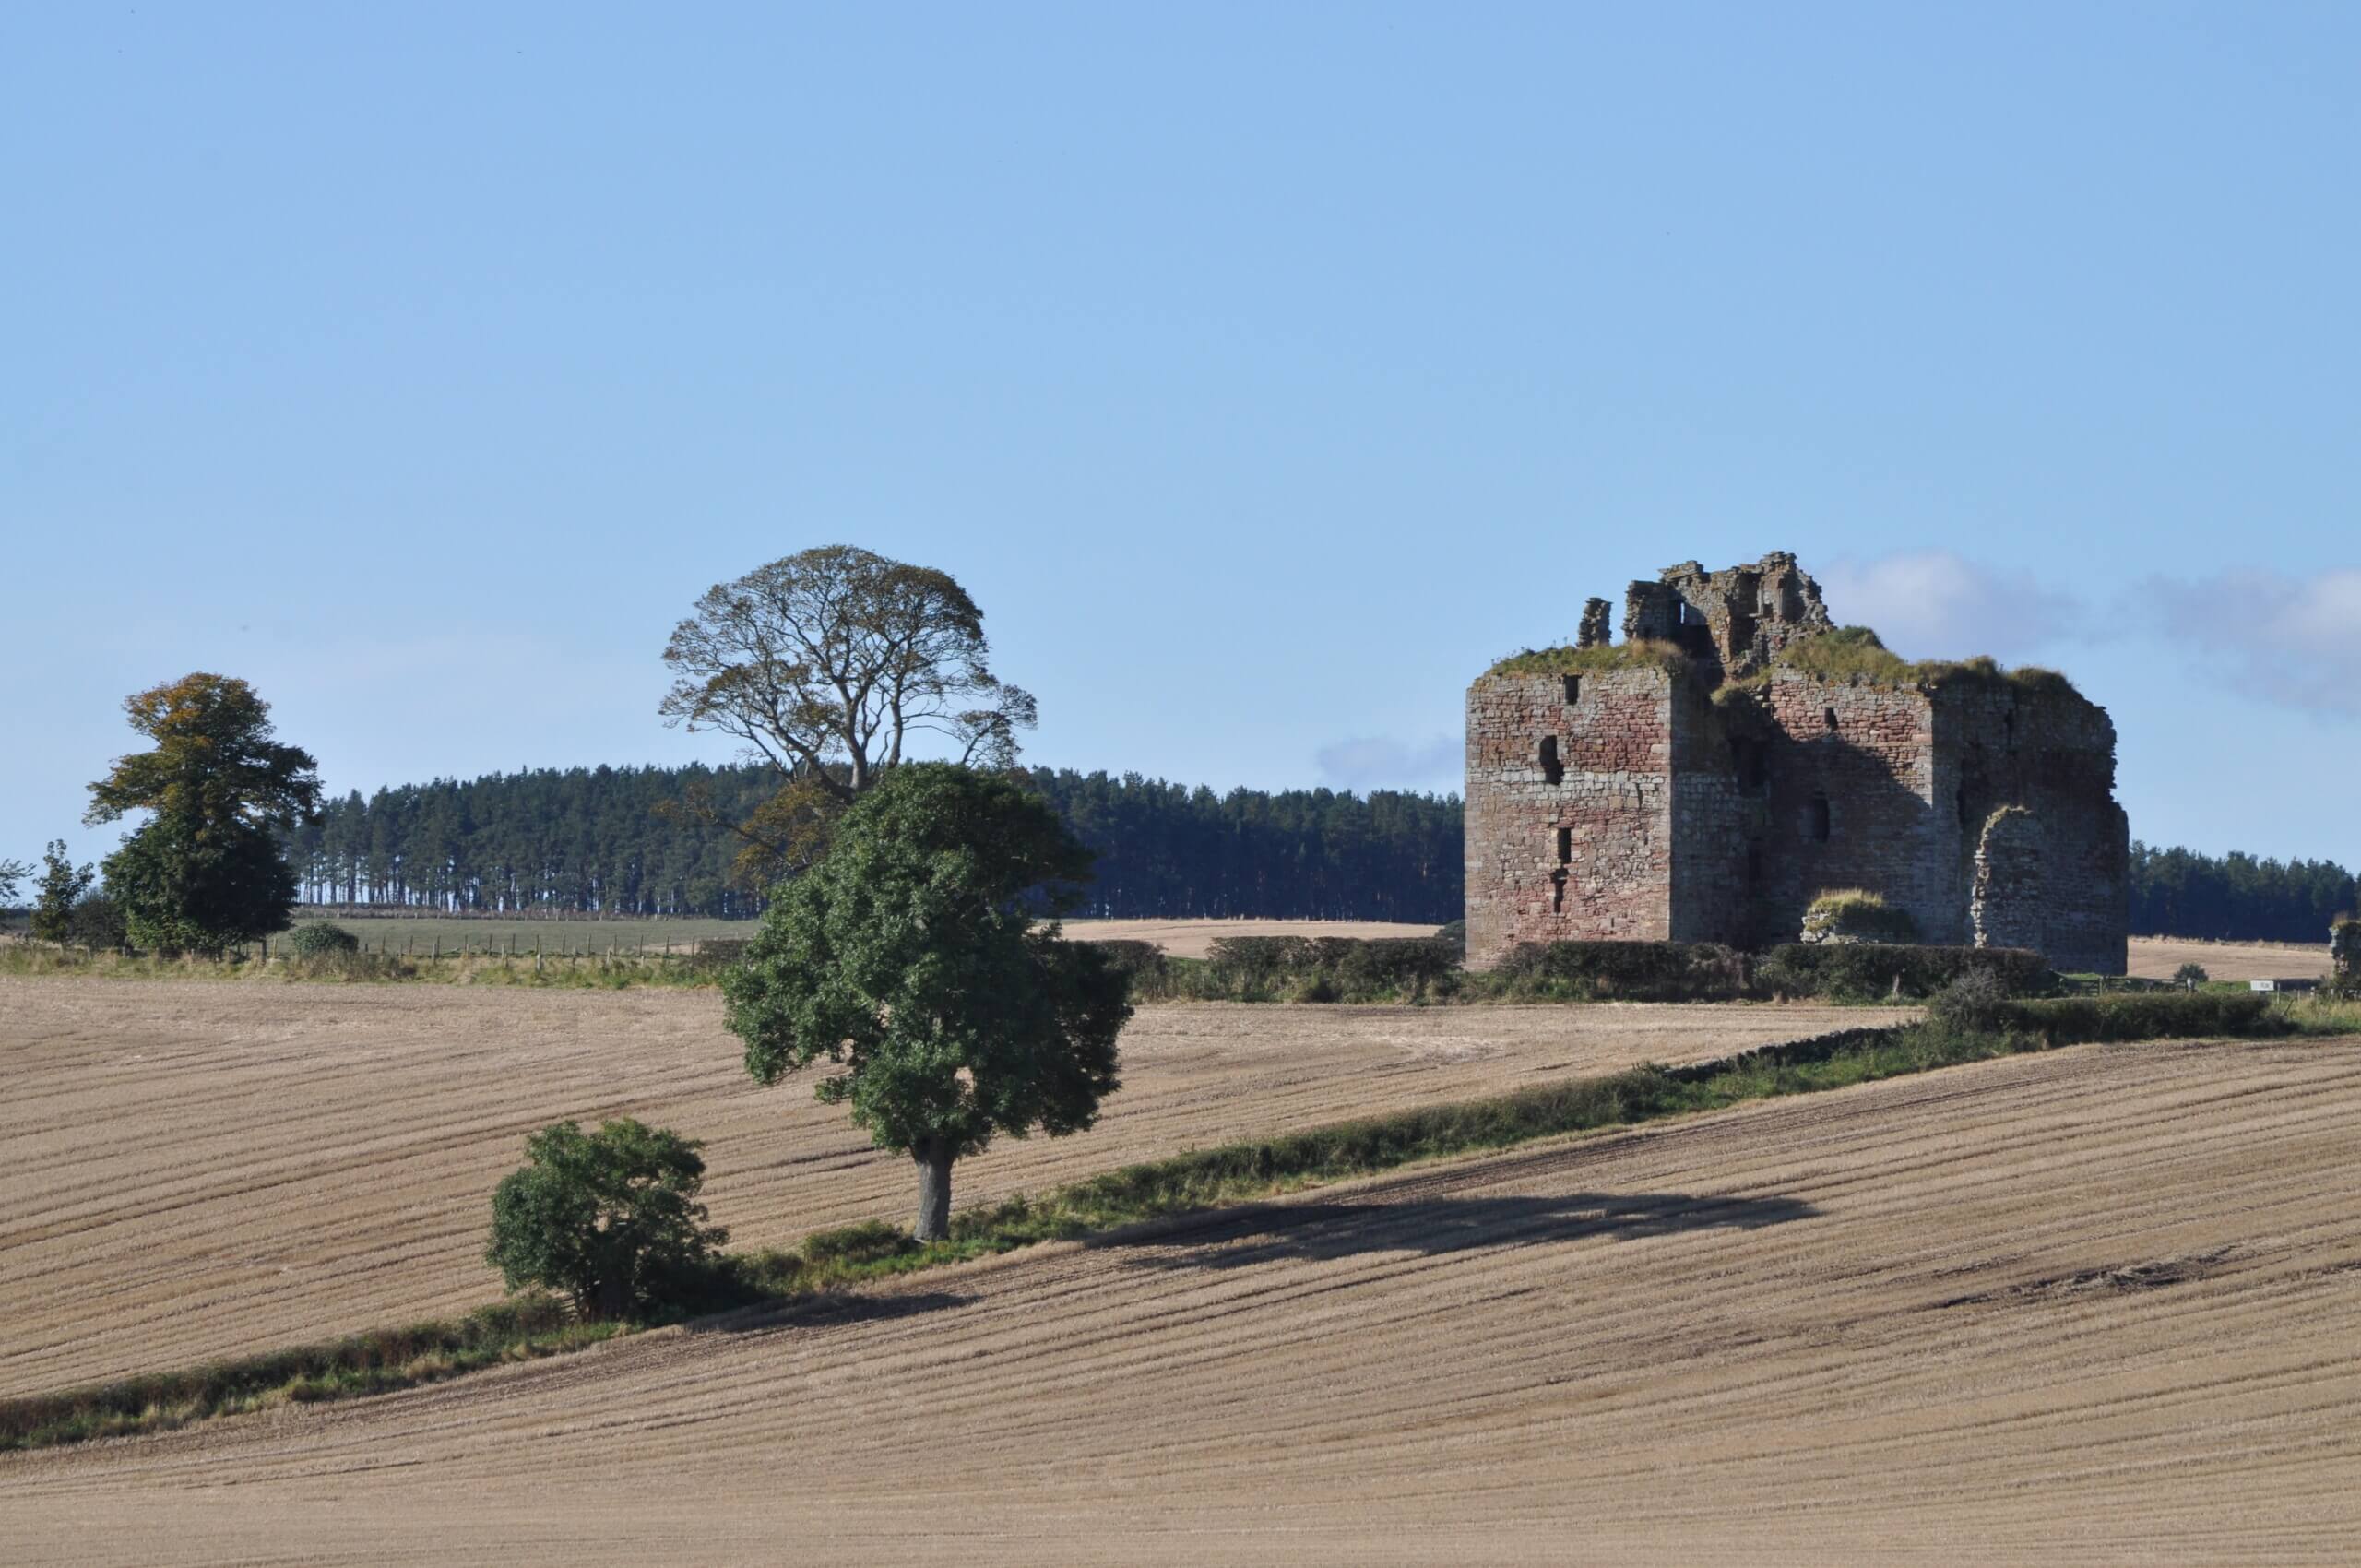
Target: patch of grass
{"type": "Point", "coordinates": [1637, 653]}
{"type": "Point", "coordinates": [576, 972]}
{"type": "Point", "coordinates": [1858, 914]}
{"type": "Point", "coordinates": [374, 1362]}
{"type": "Point", "coordinates": [2321, 1013]}
{"type": "Point", "coordinates": [1853, 654]}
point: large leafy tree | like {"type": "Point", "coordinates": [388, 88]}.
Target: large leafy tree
{"type": "Point", "coordinates": [831, 664]}
{"type": "Point", "coordinates": [205, 871]}
{"type": "Point", "coordinates": [911, 958]}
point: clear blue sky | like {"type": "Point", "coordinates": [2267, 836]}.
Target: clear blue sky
{"type": "Point", "coordinates": [1263, 371]}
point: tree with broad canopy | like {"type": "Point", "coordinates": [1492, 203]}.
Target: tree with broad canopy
{"type": "Point", "coordinates": [828, 664]}
{"type": "Point", "coordinates": [204, 873]}
{"type": "Point", "coordinates": [909, 956]}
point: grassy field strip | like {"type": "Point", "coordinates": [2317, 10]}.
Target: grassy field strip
{"type": "Point", "coordinates": [1237, 1173]}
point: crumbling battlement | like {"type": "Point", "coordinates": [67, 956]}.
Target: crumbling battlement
{"type": "Point", "coordinates": [1735, 619]}
{"type": "Point", "coordinates": [1629, 791]}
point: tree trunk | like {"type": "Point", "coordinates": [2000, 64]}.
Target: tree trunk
{"type": "Point", "coordinates": [934, 1158]}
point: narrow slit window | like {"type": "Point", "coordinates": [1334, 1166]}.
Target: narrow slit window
{"type": "Point", "coordinates": [1565, 846]}
{"type": "Point", "coordinates": [1828, 715]}
{"type": "Point", "coordinates": [1574, 689]}
{"type": "Point", "coordinates": [1558, 894]}
{"type": "Point", "coordinates": [1553, 769]}
{"type": "Point", "coordinates": [1819, 819]}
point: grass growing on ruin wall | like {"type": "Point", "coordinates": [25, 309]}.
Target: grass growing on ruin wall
{"type": "Point", "coordinates": [1249, 1171]}
{"type": "Point", "coordinates": [1637, 653]}
{"type": "Point", "coordinates": [1855, 653]}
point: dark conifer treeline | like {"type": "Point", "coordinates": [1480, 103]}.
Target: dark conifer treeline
{"type": "Point", "coordinates": [1168, 851]}
{"type": "Point", "coordinates": [2235, 897]}
{"type": "Point", "coordinates": [551, 841]}
{"type": "Point", "coordinates": [592, 840]}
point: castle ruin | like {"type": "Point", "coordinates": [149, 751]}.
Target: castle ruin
{"type": "Point", "coordinates": [1738, 754]}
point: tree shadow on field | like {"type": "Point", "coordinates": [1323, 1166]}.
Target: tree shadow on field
{"type": "Point", "coordinates": [1320, 1232]}
{"type": "Point", "coordinates": [831, 1309]}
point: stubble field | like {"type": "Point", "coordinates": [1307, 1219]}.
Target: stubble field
{"type": "Point", "coordinates": [2096, 1306]}
{"type": "Point", "coordinates": [205, 1170]}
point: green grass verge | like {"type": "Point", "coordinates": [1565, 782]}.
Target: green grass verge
{"type": "Point", "coordinates": [1245, 1172]}
{"type": "Point", "coordinates": [581, 971]}
{"type": "Point", "coordinates": [374, 1362]}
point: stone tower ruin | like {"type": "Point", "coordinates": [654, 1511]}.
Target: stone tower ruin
{"type": "Point", "coordinates": [1738, 754]}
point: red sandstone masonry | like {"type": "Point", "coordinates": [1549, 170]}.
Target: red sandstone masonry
{"type": "Point", "coordinates": [1675, 817]}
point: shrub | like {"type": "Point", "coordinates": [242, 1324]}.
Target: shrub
{"type": "Point", "coordinates": [1330, 968]}
{"type": "Point", "coordinates": [2190, 974]}
{"type": "Point", "coordinates": [96, 922]}
{"type": "Point", "coordinates": [321, 940]}
{"type": "Point", "coordinates": [1629, 971]}
{"type": "Point", "coordinates": [2154, 1014]}
{"type": "Point", "coordinates": [1865, 971]}
{"type": "Point", "coordinates": [1144, 963]}
{"type": "Point", "coordinates": [1975, 1001]}
{"type": "Point", "coordinates": [608, 1219]}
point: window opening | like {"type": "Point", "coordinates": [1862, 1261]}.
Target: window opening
{"type": "Point", "coordinates": [1553, 769]}
{"type": "Point", "coordinates": [1558, 894]}
{"type": "Point", "coordinates": [1751, 765]}
{"type": "Point", "coordinates": [1820, 818]}
{"type": "Point", "coordinates": [1574, 689]}
{"type": "Point", "coordinates": [1565, 846]}
{"type": "Point", "coordinates": [1829, 715]}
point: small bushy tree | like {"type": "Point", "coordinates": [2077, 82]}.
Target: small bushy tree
{"type": "Point", "coordinates": [62, 885]}
{"type": "Point", "coordinates": [1975, 1002]}
{"type": "Point", "coordinates": [11, 873]}
{"type": "Point", "coordinates": [608, 1219]}
{"type": "Point", "coordinates": [321, 940]}
{"type": "Point", "coordinates": [910, 955]}
{"type": "Point", "coordinates": [2190, 975]}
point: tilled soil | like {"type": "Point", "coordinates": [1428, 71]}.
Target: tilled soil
{"type": "Point", "coordinates": [201, 1170]}
{"type": "Point", "coordinates": [2095, 1306]}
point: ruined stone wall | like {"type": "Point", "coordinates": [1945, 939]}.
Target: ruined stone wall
{"type": "Point", "coordinates": [1571, 841]}
{"type": "Point", "coordinates": [1734, 620]}
{"type": "Point", "coordinates": [2050, 751]}
{"type": "Point", "coordinates": [1713, 807]}
{"type": "Point", "coordinates": [1719, 826]}
{"type": "Point", "coordinates": [2008, 900]}
{"type": "Point", "coordinates": [1851, 804]}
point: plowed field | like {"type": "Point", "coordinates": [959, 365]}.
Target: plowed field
{"type": "Point", "coordinates": [2099, 1306]}
{"type": "Point", "coordinates": [198, 1169]}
